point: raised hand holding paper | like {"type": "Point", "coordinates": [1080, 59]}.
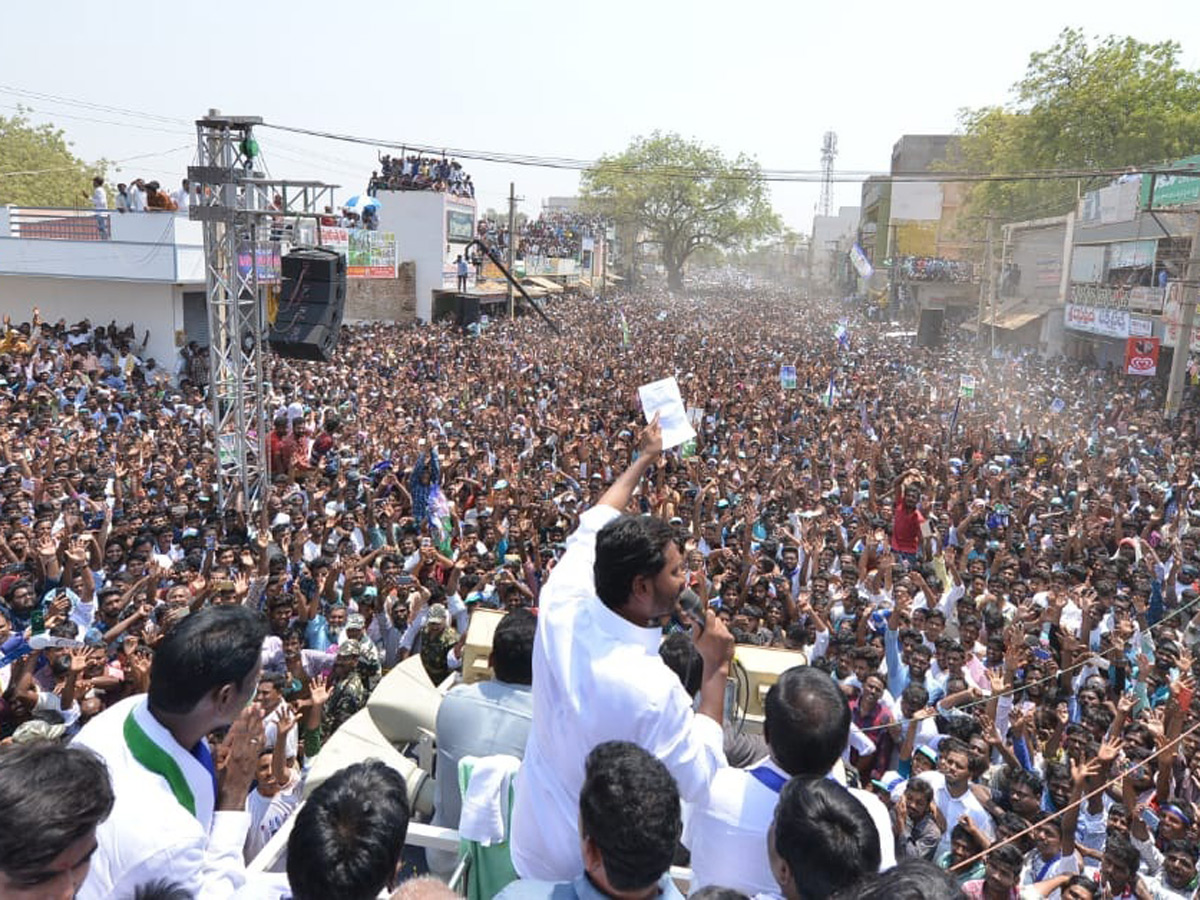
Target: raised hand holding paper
{"type": "Point", "coordinates": [663, 397]}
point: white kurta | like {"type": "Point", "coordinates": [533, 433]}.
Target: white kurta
{"type": "Point", "coordinates": [596, 678]}
{"type": "Point", "coordinates": [150, 835]}
{"type": "Point", "coordinates": [727, 831]}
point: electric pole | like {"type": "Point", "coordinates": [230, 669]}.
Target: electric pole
{"type": "Point", "coordinates": [985, 285]}
{"type": "Point", "coordinates": [1183, 345]}
{"type": "Point", "coordinates": [512, 240]}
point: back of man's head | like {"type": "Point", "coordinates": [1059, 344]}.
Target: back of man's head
{"type": "Point", "coordinates": [682, 658]}
{"type": "Point", "coordinates": [216, 646]}
{"type": "Point", "coordinates": [807, 721]}
{"type": "Point", "coordinates": [512, 647]}
{"type": "Point", "coordinates": [911, 879]}
{"type": "Point", "coordinates": [349, 836]}
{"type": "Point", "coordinates": [627, 547]}
{"type": "Point", "coordinates": [51, 797]}
{"type": "Point", "coordinates": [629, 816]}
{"type": "Point", "coordinates": [824, 839]}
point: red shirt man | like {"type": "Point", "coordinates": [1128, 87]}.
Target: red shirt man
{"type": "Point", "coordinates": [907, 519]}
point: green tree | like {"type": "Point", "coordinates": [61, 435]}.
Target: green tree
{"type": "Point", "coordinates": [683, 195]}
{"type": "Point", "coordinates": [1109, 103]}
{"type": "Point", "coordinates": [37, 167]}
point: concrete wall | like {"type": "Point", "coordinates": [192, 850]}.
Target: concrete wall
{"type": "Point", "coordinates": [383, 299]}
{"type": "Point", "coordinates": [158, 307]}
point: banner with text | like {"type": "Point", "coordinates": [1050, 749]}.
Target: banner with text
{"type": "Point", "coordinates": [1104, 321]}
{"type": "Point", "coordinates": [369, 254]}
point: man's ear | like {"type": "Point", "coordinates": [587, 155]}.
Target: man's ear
{"type": "Point", "coordinates": [225, 694]}
{"type": "Point", "coordinates": [593, 862]}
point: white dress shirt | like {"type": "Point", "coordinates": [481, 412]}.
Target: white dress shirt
{"type": "Point", "coordinates": [727, 831]}
{"type": "Point", "coordinates": [596, 677]}
{"type": "Point", "coordinates": [150, 835]}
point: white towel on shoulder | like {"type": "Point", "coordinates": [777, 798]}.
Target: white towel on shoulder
{"type": "Point", "coordinates": [485, 802]}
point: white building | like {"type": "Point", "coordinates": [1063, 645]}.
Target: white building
{"type": "Point", "coordinates": [832, 237]}
{"type": "Point", "coordinates": [150, 271]}
{"type": "Point", "coordinates": [432, 228]}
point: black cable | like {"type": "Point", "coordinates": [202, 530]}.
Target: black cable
{"type": "Point", "coordinates": [495, 259]}
{"type": "Point", "coordinates": [745, 173]}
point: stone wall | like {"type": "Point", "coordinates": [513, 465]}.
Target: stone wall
{"type": "Point", "coordinates": [383, 299]}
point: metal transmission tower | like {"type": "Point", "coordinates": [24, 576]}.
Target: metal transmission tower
{"type": "Point", "coordinates": [828, 155]}
{"type": "Point", "coordinates": [241, 220]}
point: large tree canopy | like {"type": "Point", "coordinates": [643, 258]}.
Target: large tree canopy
{"type": "Point", "coordinates": [1111, 103]}
{"type": "Point", "coordinates": [684, 195]}
{"type": "Point", "coordinates": [37, 167]}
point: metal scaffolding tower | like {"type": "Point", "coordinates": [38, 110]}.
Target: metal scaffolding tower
{"type": "Point", "coordinates": [245, 216]}
{"type": "Point", "coordinates": [828, 155]}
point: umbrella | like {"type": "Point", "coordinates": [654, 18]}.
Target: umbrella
{"type": "Point", "coordinates": [359, 202]}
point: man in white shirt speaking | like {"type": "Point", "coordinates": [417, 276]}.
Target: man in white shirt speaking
{"type": "Point", "coordinates": [597, 675]}
{"type": "Point", "coordinates": [807, 726]}
{"type": "Point", "coordinates": [172, 819]}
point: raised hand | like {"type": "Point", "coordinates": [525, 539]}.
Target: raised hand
{"type": "Point", "coordinates": [319, 690]}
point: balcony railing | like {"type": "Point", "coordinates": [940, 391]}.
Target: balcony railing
{"type": "Point", "coordinates": [149, 246]}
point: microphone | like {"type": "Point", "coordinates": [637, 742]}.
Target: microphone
{"type": "Point", "coordinates": [693, 607]}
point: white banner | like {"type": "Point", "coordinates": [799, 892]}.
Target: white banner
{"type": "Point", "coordinates": [1097, 320]}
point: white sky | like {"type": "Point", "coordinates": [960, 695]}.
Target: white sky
{"type": "Point", "coordinates": [550, 79]}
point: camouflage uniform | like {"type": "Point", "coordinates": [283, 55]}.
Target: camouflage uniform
{"type": "Point", "coordinates": [433, 654]}
{"type": "Point", "coordinates": [347, 697]}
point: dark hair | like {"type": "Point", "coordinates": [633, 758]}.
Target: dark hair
{"type": "Point", "coordinates": [954, 745]}
{"type": "Point", "coordinates": [807, 721]}
{"type": "Point", "coordinates": [1084, 882]}
{"type": "Point", "coordinates": [825, 835]}
{"type": "Point", "coordinates": [349, 836]}
{"type": "Point", "coordinates": [919, 787]}
{"type": "Point", "coordinates": [716, 892]}
{"type": "Point", "coordinates": [916, 694]}
{"type": "Point", "coordinates": [1031, 780]}
{"type": "Point", "coordinates": [275, 679]}
{"type": "Point", "coordinates": [682, 658]}
{"type": "Point", "coordinates": [627, 547]}
{"type": "Point", "coordinates": [1182, 845]}
{"type": "Point", "coordinates": [910, 879]}
{"type": "Point", "coordinates": [1007, 855]}
{"type": "Point", "coordinates": [512, 647]}
{"type": "Point", "coordinates": [629, 808]}
{"type": "Point", "coordinates": [162, 889]}
{"type": "Point", "coordinates": [216, 646]}
{"type": "Point", "coordinates": [961, 832]}
{"type": "Point", "coordinates": [1121, 849]}
{"type": "Point", "coordinates": [51, 795]}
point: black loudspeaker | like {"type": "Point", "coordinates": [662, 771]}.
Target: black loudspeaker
{"type": "Point", "coordinates": [929, 327]}
{"type": "Point", "coordinates": [312, 301]}
{"type": "Point", "coordinates": [467, 308]}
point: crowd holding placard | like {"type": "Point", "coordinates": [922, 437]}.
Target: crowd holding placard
{"type": "Point", "coordinates": [997, 592]}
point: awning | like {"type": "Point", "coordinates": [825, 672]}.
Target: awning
{"type": "Point", "coordinates": [544, 283]}
{"type": "Point", "coordinates": [1013, 321]}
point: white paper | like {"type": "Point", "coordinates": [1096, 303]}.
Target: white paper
{"type": "Point", "coordinates": [663, 397]}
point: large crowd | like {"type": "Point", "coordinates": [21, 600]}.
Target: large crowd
{"type": "Point", "coordinates": [416, 172]}
{"type": "Point", "coordinates": [1000, 589]}
{"type": "Point", "coordinates": [555, 233]}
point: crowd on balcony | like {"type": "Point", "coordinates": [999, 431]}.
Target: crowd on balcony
{"type": "Point", "coordinates": [553, 234]}
{"type": "Point", "coordinates": [932, 268]}
{"type": "Point", "coordinates": [993, 609]}
{"type": "Point", "coordinates": [416, 172]}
